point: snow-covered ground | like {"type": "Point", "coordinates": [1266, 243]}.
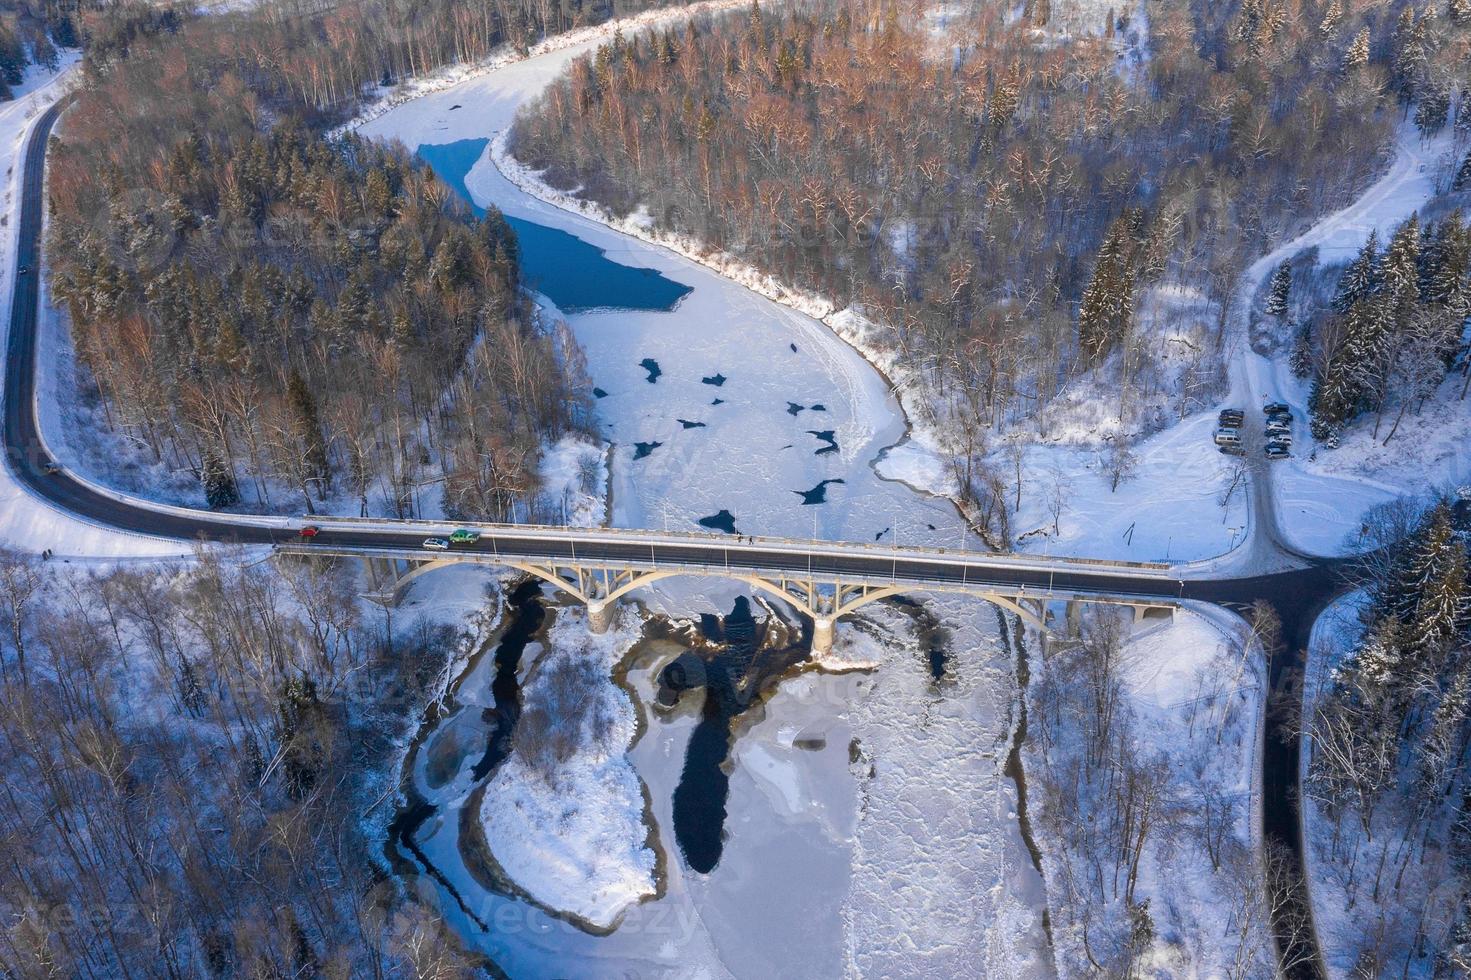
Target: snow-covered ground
{"type": "Point", "coordinates": [27, 523]}
{"type": "Point", "coordinates": [1191, 701]}
{"type": "Point", "coordinates": [574, 837]}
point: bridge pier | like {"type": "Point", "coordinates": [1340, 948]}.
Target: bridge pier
{"type": "Point", "coordinates": [600, 614]}
{"type": "Point", "coordinates": [822, 635]}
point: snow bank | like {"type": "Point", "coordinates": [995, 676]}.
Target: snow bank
{"type": "Point", "coordinates": [574, 472]}
{"type": "Point", "coordinates": [577, 842]}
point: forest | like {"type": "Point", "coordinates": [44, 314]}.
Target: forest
{"type": "Point", "coordinates": [300, 325]}
{"type": "Point", "coordinates": [198, 762]}
{"type": "Point", "coordinates": [1390, 733]}
{"type": "Point", "coordinates": [999, 203]}
{"type": "Point", "coordinates": [30, 33]}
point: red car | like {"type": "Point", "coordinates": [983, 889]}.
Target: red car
{"type": "Point", "coordinates": [310, 531]}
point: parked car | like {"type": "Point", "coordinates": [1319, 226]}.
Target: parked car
{"type": "Point", "coordinates": [1275, 429]}
{"type": "Point", "coordinates": [1275, 450]}
{"type": "Point", "coordinates": [309, 531]}
{"type": "Point", "coordinates": [1228, 437]}
{"type": "Point", "coordinates": [1233, 449]}
{"type": "Point", "coordinates": [463, 536]}
{"type": "Point", "coordinates": [1232, 417]}
{"type": "Point", "coordinates": [1277, 408]}
{"type": "Point", "coordinates": [436, 544]}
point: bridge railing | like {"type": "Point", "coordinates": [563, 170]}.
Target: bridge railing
{"type": "Point", "coordinates": [743, 543]}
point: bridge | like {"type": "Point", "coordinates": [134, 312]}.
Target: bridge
{"type": "Point", "coordinates": [824, 580]}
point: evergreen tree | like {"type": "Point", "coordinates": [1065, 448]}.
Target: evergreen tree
{"type": "Point", "coordinates": [1332, 17]}
{"type": "Point", "coordinates": [218, 480]}
{"type": "Point", "coordinates": [1357, 54]}
{"type": "Point", "coordinates": [1433, 110]}
{"type": "Point", "coordinates": [1107, 309]}
{"type": "Point", "coordinates": [1277, 292]}
{"type": "Point", "coordinates": [1302, 352]}
{"type": "Point", "coordinates": [1459, 11]}
{"type": "Point", "coordinates": [1463, 174]}
{"type": "Point", "coordinates": [307, 429]}
{"type": "Point", "coordinates": [1427, 588]}
{"type": "Point", "coordinates": [12, 56]}
{"type": "Point", "coordinates": [1361, 278]}
{"type": "Point", "coordinates": [1407, 70]}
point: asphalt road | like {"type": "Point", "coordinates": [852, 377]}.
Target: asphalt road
{"type": "Point", "coordinates": [1297, 594]}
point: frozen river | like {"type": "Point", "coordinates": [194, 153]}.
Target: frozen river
{"type": "Point", "coordinates": [750, 397]}
{"type": "Point", "coordinates": [868, 831]}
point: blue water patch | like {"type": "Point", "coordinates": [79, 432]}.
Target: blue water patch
{"type": "Point", "coordinates": [721, 521]}
{"type": "Point", "coordinates": [818, 494]}
{"type": "Point", "coordinates": [642, 449]}
{"type": "Point", "coordinates": [573, 274]}
{"type": "Point", "coordinates": [824, 435]}
{"type": "Point", "coordinates": [690, 425]}
{"type": "Point", "coordinates": [652, 366]}
{"type": "Point", "coordinates": [715, 379]}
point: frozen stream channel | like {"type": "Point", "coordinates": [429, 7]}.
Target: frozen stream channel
{"type": "Point", "coordinates": [869, 831]}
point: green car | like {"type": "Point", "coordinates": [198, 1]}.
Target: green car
{"type": "Point", "coordinates": [464, 537]}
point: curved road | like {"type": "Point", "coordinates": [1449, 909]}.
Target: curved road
{"type": "Point", "coordinates": [1297, 594]}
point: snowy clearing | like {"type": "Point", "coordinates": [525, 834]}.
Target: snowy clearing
{"type": "Point", "coordinates": [574, 837]}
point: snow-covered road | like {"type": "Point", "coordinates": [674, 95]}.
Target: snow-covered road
{"type": "Point", "coordinates": [1313, 505]}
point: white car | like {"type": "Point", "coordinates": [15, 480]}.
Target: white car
{"type": "Point", "coordinates": [436, 544]}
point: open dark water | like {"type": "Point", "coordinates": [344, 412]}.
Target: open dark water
{"type": "Point", "coordinates": [573, 274]}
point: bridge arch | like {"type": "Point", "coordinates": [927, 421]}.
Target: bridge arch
{"type": "Point", "coordinates": [823, 600]}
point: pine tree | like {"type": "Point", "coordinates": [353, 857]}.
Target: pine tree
{"type": "Point", "coordinates": [1433, 109]}
{"type": "Point", "coordinates": [1459, 11]}
{"type": "Point", "coordinates": [307, 429]}
{"type": "Point", "coordinates": [1357, 54]}
{"type": "Point", "coordinates": [1361, 278]}
{"type": "Point", "coordinates": [218, 480]}
{"type": "Point", "coordinates": [1302, 352]}
{"type": "Point", "coordinates": [1463, 174]}
{"type": "Point", "coordinates": [1107, 309]}
{"type": "Point", "coordinates": [1407, 70]}
{"type": "Point", "coordinates": [1427, 590]}
{"type": "Point", "coordinates": [1332, 17]}
{"type": "Point", "coordinates": [1278, 291]}
{"type": "Point", "coordinates": [1442, 744]}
